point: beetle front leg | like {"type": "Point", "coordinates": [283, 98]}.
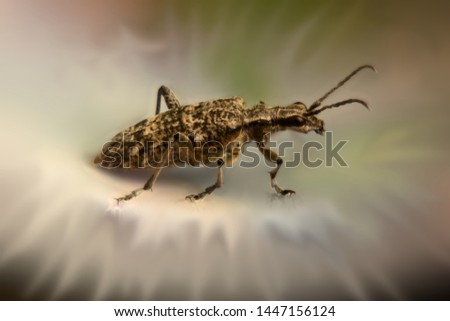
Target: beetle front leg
{"type": "Point", "coordinates": [274, 158]}
{"type": "Point", "coordinates": [210, 189]}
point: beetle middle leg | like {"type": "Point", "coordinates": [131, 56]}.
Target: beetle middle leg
{"type": "Point", "coordinates": [273, 157]}
{"type": "Point", "coordinates": [210, 189]}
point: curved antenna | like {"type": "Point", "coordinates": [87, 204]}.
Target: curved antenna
{"type": "Point", "coordinates": [342, 82]}
{"type": "Point", "coordinates": [340, 103]}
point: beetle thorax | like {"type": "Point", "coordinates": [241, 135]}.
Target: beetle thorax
{"type": "Point", "coordinates": [263, 119]}
{"type": "Point", "coordinates": [259, 121]}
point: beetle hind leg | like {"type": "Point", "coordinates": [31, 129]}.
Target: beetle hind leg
{"type": "Point", "coordinates": [137, 192]}
{"type": "Point", "coordinates": [169, 97]}
{"type": "Point", "coordinates": [149, 184]}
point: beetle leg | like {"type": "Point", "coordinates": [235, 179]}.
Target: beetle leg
{"type": "Point", "coordinates": [169, 97]}
{"type": "Point", "coordinates": [210, 189]}
{"type": "Point", "coordinates": [273, 157]}
{"type": "Point", "coordinates": [148, 185]}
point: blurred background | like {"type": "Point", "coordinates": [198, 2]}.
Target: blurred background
{"type": "Point", "coordinates": [74, 73]}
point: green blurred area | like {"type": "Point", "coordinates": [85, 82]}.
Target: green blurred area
{"type": "Point", "coordinates": [259, 47]}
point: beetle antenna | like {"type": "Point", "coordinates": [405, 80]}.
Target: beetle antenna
{"type": "Point", "coordinates": [340, 103]}
{"type": "Point", "coordinates": [342, 82]}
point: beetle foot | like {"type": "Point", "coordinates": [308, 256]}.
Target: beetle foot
{"type": "Point", "coordinates": [128, 197]}
{"type": "Point", "coordinates": [121, 199]}
{"type": "Point", "coordinates": [196, 197]}
{"type": "Point", "coordinates": [287, 192]}
{"type": "Point", "coordinates": [280, 191]}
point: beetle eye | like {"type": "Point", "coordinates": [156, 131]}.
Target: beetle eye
{"type": "Point", "coordinates": [301, 121]}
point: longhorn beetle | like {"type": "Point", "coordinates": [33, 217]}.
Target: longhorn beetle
{"type": "Point", "coordinates": [210, 133]}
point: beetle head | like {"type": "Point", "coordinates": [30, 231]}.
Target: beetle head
{"type": "Point", "coordinates": [303, 119]}
{"type": "Point", "coordinates": [295, 117]}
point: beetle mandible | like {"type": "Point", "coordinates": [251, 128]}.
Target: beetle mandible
{"type": "Point", "coordinates": [211, 133]}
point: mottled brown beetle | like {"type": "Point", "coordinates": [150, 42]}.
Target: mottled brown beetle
{"type": "Point", "coordinates": [210, 133]}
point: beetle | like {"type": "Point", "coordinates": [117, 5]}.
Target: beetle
{"type": "Point", "coordinates": [211, 133]}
